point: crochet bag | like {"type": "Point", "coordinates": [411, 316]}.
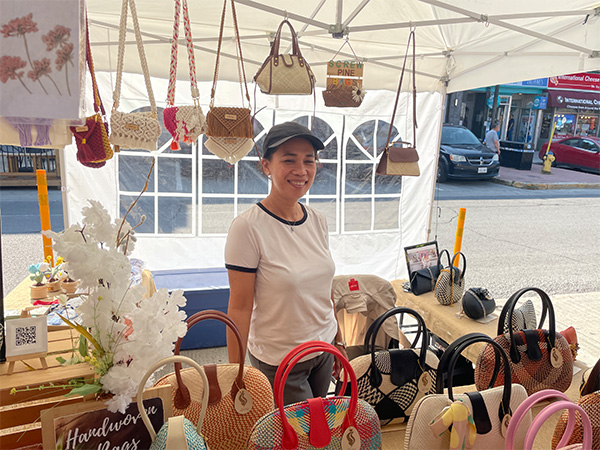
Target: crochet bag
{"type": "Point", "coordinates": [239, 394]}
{"type": "Point", "coordinates": [539, 359]}
{"type": "Point", "coordinates": [334, 422]}
{"type": "Point", "coordinates": [228, 148]}
{"type": "Point", "coordinates": [178, 433]}
{"type": "Point", "coordinates": [230, 122]}
{"type": "Point", "coordinates": [401, 158]}
{"type": "Point", "coordinates": [139, 129]}
{"type": "Point", "coordinates": [450, 285]}
{"type": "Point", "coordinates": [590, 402]}
{"type": "Point", "coordinates": [285, 74]}
{"type": "Point", "coordinates": [393, 380]}
{"type": "Point", "coordinates": [477, 303]}
{"type": "Point", "coordinates": [184, 123]}
{"type": "Point", "coordinates": [482, 424]}
{"type": "Point", "coordinates": [547, 413]}
{"type": "Point", "coordinates": [93, 146]}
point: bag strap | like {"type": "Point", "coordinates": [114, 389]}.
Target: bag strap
{"type": "Point", "coordinates": [525, 407]}
{"type": "Point", "coordinates": [411, 36]}
{"type": "Point", "coordinates": [290, 437]}
{"type": "Point", "coordinates": [377, 323]}
{"type": "Point", "coordinates": [464, 267]}
{"type": "Point", "coordinates": [176, 359]}
{"type": "Point", "coordinates": [553, 408]}
{"type": "Point", "coordinates": [98, 106]}
{"type": "Point", "coordinates": [277, 40]}
{"type": "Point", "coordinates": [179, 4]}
{"type": "Point", "coordinates": [240, 59]}
{"type": "Point", "coordinates": [121, 55]}
{"type": "Point", "coordinates": [182, 394]}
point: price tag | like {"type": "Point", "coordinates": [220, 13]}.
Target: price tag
{"type": "Point", "coordinates": [243, 401]}
{"type": "Point", "coordinates": [351, 439]}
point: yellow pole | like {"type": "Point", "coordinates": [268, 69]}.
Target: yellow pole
{"type": "Point", "coordinates": [42, 185]}
{"type": "Point", "coordinates": [460, 226]}
{"type": "Point", "coordinates": [551, 136]}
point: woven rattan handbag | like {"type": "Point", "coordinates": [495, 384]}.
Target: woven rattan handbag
{"type": "Point", "coordinates": [547, 413]}
{"type": "Point", "coordinates": [93, 146]}
{"type": "Point", "coordinates": [539, 359]}
{"type": "Point", "coordinates": [334, 423]}
{"type": "Point", "coordinates": [239, 394]}
{"type": "Point", "coordinates": [401, 158]}
{"type": "Point", "coordinates": [178, 433]}
{"type": "Point", "coordinates": [139, 129]}
{"type": "Point", "coordinates": [489, 411]}
{"type": "Point", "coordinates": [393, 380]}
{"type": "Point", "coordinates": [590, 402]}
{"type": "Point", "coordinates": [450, 285]}
{"type": "Point", "coordinates": [346, 92]}
{"type": "Point", "coordinates": [185, 123]}
{"type": "Point", "coordinates": [230, 122]}
{"type": "Point", "coordinates": [285, 74]}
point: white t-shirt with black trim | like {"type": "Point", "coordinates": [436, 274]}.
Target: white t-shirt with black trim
{"type": "Point", "coordinates": [294, 272]}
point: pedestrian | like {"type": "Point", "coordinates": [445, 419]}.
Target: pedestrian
{"type": "Point", "coordinates": [281, 270]}
{"type": "Point", "coordinates": [491, 138]}
{"type": "Point", "coordinates": [511, 126]}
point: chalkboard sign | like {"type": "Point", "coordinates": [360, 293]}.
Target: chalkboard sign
{"type": "Point", "coordinates": [89, 425]}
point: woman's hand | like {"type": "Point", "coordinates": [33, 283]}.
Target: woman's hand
{"type": "Point", "coordinates": [337, 364]}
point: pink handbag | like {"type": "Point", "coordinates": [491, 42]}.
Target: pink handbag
{"type": "Point", "coordinates": [524, 408]}
{"type": "Point", "coordinates": [547, 412]}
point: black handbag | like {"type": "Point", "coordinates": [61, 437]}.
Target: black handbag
{"type": "Point", "coordinates": [423, 280]}
{"type": "Point", "coordinates": [393, 380]}
{"type": "Point", "coordinates": [477, 303]}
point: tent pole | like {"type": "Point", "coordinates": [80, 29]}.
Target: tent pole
{"type": "Point", "coordinates": [443, 92]}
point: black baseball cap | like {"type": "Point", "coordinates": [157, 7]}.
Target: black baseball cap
{"type": "Point", "coordinates": [283, 132]}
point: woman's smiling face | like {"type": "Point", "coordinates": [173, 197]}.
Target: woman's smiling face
{"type": "Point", "coordinates": [292, 168]}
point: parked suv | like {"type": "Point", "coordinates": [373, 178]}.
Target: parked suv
{"type": "Point", "coordinates": [463, 156]}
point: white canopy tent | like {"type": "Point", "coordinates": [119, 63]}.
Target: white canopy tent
{"type": "Point", "coordinates": [460, 45]}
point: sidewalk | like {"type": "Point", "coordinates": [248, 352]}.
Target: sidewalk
{"type": "Point", "coordinates": [558, 179]}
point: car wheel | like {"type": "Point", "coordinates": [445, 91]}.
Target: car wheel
{"type": "Point", "coordinates": [442, 172]}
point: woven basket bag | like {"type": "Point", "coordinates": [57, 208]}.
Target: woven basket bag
{"type": "Point", "coordinates": [239, 394]}
{"type": "Point", "coordinates": [450, 285]}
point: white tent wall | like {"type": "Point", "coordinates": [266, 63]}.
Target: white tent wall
{"type": "Point", "coordinates": [361, 252]}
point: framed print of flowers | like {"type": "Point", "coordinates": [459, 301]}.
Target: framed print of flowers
{"type": "Point", "coordinates": [41, 59]}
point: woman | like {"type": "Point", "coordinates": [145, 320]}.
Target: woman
{"type": "Point", "coordinates": [280, 269]}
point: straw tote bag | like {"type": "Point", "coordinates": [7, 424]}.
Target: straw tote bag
{"type": "Point", "coordinates": [538, 359]}
{"type": "Point", "coordinates": [334, 423]}
{"type": "Point", "coordinates": [93, 146]}
{"type": "Point", "coordinates": [178, 433]}
{"type": "Point", "coordinates": [140, 129]}
{"type": "Point", "coordinates": [393, 380]}
{"type": "Point", "coordinates": [239, 394]}
{"type": "Point", "coordinates": [184, 123]}
{"type": "Point", "coordinates": [485, 414]}
{"type": "Point", "coordinates": [400, 157]}
{"type": "Point", "coordinates": [285, 74]}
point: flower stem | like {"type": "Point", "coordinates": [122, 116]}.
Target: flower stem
{"type": "Point", "coordinates": [67, 79]}
{"type": "Point", "coordinates": [24, 85]}
{"type": "Point", "coordinates": [40, 81]}
{"type": "Point", "coordinates": [59, 93]}
{"type": "Point", "coordinates": [27, 52]}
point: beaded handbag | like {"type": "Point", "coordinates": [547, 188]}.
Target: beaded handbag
{"type": "Point", "coordinates": [334, 422]}
{"type": "Point", "coordinates": [185, 123]}
{"type": "Point", "coordinates": [139, 129]}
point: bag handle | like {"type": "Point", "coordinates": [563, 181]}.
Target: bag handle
{"type": "Point", "coordinates": [277, 40]}
{"type": "Point", "coordinates": [121, 55]}
{"type": "Point", "coordinates": [509, 307]}
{"type": "Point", "coordinates": [454, 351]}
{"type": "Point", "coordinates": [182, 394]}
{"type": "Point", "coordinates": [375, 374]}
{"type": "Point", "coordinates": [377, 323]}
{"type": "Point", "coordinates": [179, 4]}
{"type": "Point", "coordinates": [504, 312]}
{"type": "Point", "coordinates": [290, 437]}
{"type": "Point", "coordinates": [464, 267]}
{"type": "Point", "coordinates": [525, 407]}
{"type": "Point", "coordinates": [98, 106]}
{"type": "Point", "coordinates": [548, 411]}
{"type": "Point", "coordinates": [240, 60]}
{"type": "Point", "coordinates": [411, 36]}
{"type": "Point", "coordinates": [176, 359]}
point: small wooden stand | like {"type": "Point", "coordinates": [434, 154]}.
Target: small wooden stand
{"type": "Point", "coordinates": [12, 359]}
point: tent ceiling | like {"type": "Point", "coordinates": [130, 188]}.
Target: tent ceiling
{"type": "Point", "coordinates": [466, 43]}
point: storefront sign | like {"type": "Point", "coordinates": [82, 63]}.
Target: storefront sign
{"type": "Point", "coordinates": [538, 82]}
{"type": "Point", "coordinates": [540, 102]}
{"type": "Point", "coordinates": [574, 100]}
{"type": "Point", "coordinates": [349, 73]}
{"type": "Point", "coordinates": [583, 81]}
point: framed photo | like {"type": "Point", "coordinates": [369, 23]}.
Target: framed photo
{"type": "Point", "coordinates": [26, 336]}
{"type": "Point", "coordinates": [421, 256]}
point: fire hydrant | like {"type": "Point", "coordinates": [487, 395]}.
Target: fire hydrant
{"type": "Point", "coordinates": [548, 160]}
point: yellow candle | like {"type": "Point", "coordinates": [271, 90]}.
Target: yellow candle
{"type": "Point", "coordinates": [460, 226]}
{"type": "Point", "coordinates": [42, 185]}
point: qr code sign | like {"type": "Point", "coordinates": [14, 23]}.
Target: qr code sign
{"type": "Point", "coordinates": [25, 336]}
